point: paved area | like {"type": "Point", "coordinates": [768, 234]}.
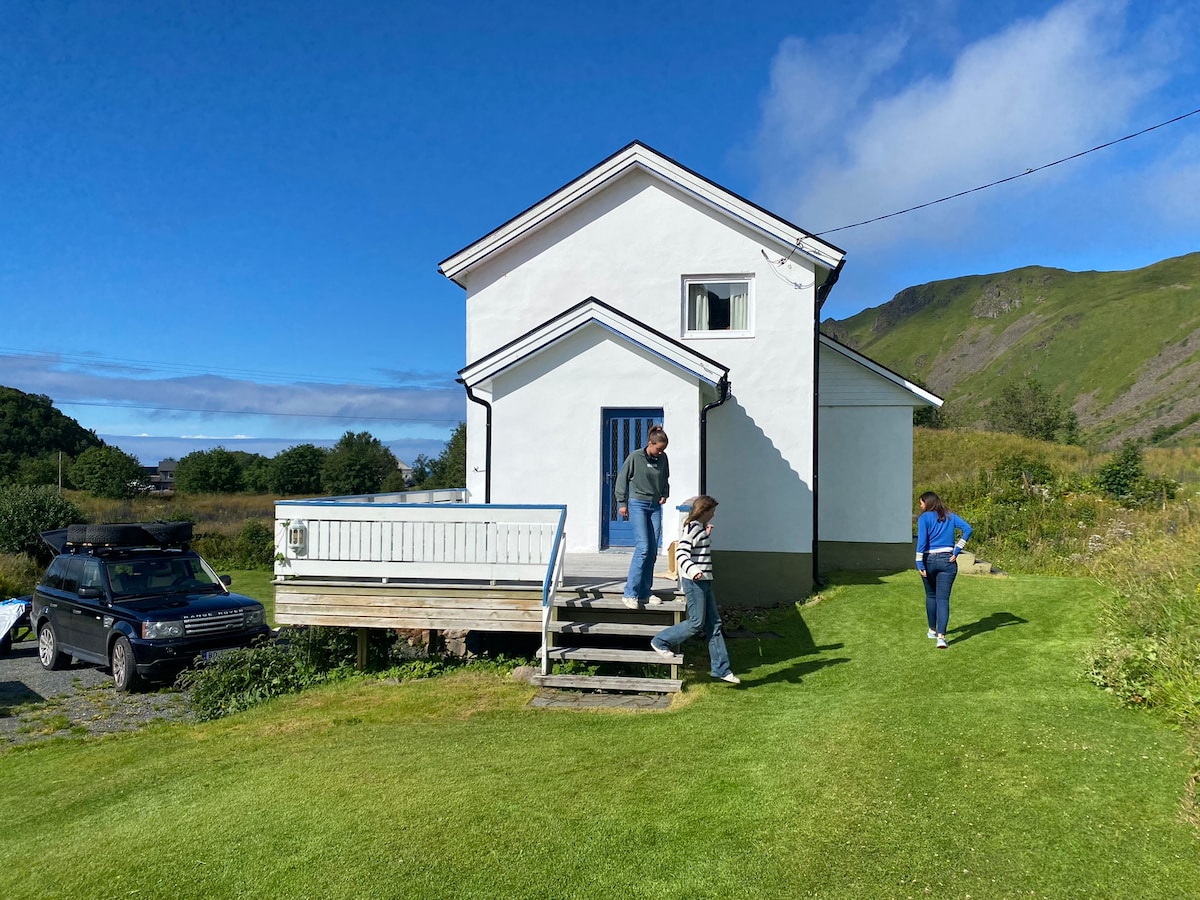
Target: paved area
{"type": "Point", "coordinates": [79, 700]}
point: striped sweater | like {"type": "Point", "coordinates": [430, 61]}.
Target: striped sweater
{"type": "Point", "coordinates": [693, 552]}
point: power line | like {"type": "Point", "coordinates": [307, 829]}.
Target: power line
{"type": "Point", "coordinates": [984, 187]}
{"type": "Point", "coordinates": [243, 412]}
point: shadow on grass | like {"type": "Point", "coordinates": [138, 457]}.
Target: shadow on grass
{"type": "Point", "coordinates": [982, 626]}
{"type": "Point", "coordinates": [795, 646]}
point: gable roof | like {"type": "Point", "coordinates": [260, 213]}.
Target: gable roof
{"type": "Point", "coordinates": [638, 156]}
{"type": "Point", "coordinates": [592, 312]}
{"type": "Point", "coordinates": [882, 371]}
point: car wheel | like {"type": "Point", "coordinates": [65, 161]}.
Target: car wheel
{"type": "Point", "coordinates": [169, 532]}
{"type": "Point", "coordinates": [116, 535]}
{"type": "Point", "coordinates": [124, 666]}
{"type": "Point", "coordinates": [48, 652]}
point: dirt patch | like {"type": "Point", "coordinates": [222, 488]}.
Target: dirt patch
{"type": "Point", "coordinates": [78, 701]}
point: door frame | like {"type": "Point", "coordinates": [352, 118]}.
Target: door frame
{"type": "Point", "coordinates": [617, 440]}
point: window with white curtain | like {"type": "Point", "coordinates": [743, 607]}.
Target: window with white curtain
{"type": "Point", "coordinates": [716, 308]}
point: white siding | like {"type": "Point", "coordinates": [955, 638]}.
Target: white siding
{"type": "Point", "coordinates": [845, 382]}
{"type": "Point", "coordinates": [866, 474]}
{"type": "Point", "coordinates": [629, 245]}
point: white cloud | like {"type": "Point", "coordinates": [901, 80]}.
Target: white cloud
{"type": "Point", "coordinates": [207, 397]}
{"type": "Point", "coordinates": [1040, 89]}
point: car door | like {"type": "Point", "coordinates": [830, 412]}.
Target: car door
{"type": "Point", "coordinates": [94, 618]}
{"type": "Point", "coordinates": [65, 612]}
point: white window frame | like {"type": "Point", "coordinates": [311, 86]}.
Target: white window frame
{"type": "Point", "coordinates": [689, 280]}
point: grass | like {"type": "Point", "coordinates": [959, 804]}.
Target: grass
{"type": "Point", "coordinates": [256, 584]}
{"type": "Point", "coordinates": [855, 761]}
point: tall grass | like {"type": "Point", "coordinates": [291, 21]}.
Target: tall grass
{"type": "Point", "coordinates": [1040, 517]}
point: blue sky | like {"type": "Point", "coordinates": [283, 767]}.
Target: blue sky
{"type": "Point", "coordinates": [220, 222]}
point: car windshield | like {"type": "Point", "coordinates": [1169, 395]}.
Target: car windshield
{"type": "Point", "coordinates": [161, 576]}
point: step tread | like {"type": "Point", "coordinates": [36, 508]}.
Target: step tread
{"type": "Point", "coordinates": [614, 602]}
{"type": "Point", "coordinates": [604, 654]}
{"type": "Point", "coordinates": [605, 628]}
{"type": "Point", "coordinates": [610, 683]}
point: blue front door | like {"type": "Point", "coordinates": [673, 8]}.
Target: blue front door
{"type": "Point", "coordinates": [625, 430]}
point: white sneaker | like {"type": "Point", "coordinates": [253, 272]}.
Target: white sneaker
{"type": "Point", "coordinates": [630, 602]}
{"type": "Point", "coordinates": [655, 600]}
{"type": "Point", "coordinates": [661, 651]}
{"type": "Point", "coordinates": [731, 678]}
{"type": "Point", "coordinates": [931, 634]}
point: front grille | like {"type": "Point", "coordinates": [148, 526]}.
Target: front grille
{"type": "Point", "coordinates": [213, 622]}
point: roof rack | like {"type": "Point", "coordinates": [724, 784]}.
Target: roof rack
{"type": "Point", "coordinates": [127, 535]}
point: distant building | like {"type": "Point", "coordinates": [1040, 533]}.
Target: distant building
{"type": "Point", "coordinates": [161, 477]}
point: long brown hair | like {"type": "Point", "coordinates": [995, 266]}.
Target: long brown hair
{"type": "Point", "coordinates": [700, 505]}
{"type": "Point", "coordinates": [933, 503]}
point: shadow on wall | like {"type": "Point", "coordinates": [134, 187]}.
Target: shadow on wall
{"type": "Point", "coordinates": [765, 505]}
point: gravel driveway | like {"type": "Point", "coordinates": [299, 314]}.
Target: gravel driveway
{"type": "Point", "coordinates": [76, 701]}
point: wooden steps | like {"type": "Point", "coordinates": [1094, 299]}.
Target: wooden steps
{"type": "Point", "coordinates": [605, 654]}
{"type": "Point", "coordinates": [610, 683]}
{"type": "Point", "coordinates": [593, 625]}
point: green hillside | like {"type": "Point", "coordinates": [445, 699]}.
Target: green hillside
{"type": "Point", "coordinates": [1122, 349]}
{"type": "Point", "coordinates": [32, 430]}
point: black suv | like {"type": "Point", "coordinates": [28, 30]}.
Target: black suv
{"type": "Point", "coordinates": [136, 598]}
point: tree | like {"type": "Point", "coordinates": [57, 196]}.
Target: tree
{"type": "Point", "coordinates": [213, 471]}
{"type": "Point", "coordinates": [256, 474]}
{"type": "Point", "coordinates": [107, 472]}
{"type": "Point", "coordinates": [297, 470]}
{"type": "Point", "coordinates": [25, 512]}
{"type": "Point", "coordinates": [449, 470]}
{"type": "Point", "coordinates": [357, 464]}
{"type": "Point", "coordinates": [1028, 409]}
{"type": "Point", "coordinates": [30, 428]}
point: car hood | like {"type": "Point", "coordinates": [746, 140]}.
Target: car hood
{"type": "Point", "coordinates": [172, 605]}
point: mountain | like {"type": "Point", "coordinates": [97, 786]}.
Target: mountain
{"type": "Point", "coordinates": [1122, 349]}
{"type": "Point", "coordinates": [31, 428]}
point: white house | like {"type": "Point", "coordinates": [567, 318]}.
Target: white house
{"type": "Point", "coordinates": [642, 292]}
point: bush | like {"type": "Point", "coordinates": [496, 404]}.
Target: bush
{"type": "Point", "coordinates": [18, 575]}
{"type": "Point", "coordinates": [244, 678]}
{"type": "Point", "coordinates": [252, 548]}
{"type": "Point", "coordinates": [25, 512]}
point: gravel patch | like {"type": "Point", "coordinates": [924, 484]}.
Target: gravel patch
{"type": "Point", "coordinates": [76, 702]}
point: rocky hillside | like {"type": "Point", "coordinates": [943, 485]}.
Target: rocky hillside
{"type": "Point", "coordinates": [1120, 348]}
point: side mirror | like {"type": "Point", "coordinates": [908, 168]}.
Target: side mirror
{"type": "Point", "coordinates": [90, 593]}
{"type": "Point", "coordinates": [226, 580]}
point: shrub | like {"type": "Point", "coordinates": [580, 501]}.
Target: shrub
{"type": "Point", "coordinates": [18, 575]}
{"type": "Point", "coordinates": [25, 512]}
{"type": "Point", "coordinates": [244, 678]}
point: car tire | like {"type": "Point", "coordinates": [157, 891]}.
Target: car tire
{"type": "Point", "coordinates": [77, 534]}
{"type": "Point", "coordinates": [116, 535]}
{"type": "Point", "coordinates": [52, 659]}
{"type": "Point", "coordinates": [124, 666]}
{"type": "Point", "coordinates": [169, 532]}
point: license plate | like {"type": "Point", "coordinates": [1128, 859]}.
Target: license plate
{"type": "Point", "coordinates": [210, 655]}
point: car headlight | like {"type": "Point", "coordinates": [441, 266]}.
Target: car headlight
{"type": "Point", "coordinates": [255, 616]}
{"type": "Point", "coordinates": [154, 630]}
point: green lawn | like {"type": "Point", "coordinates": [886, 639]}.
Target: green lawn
{"type": "Point", "coordinates": [855, 761]}
{"type": "Point", "coordinates": [255, 583]}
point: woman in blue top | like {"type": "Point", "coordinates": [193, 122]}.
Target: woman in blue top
{"type": "Point", "coordinates": [937, 560]}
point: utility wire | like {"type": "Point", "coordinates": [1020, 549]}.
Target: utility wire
{"type": "Point", "coordinates": [984, 187]}
{"type": "Point", "coordinates": [245, 412]}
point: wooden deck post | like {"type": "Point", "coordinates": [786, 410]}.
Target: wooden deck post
{"type": "Point", "coordinates": [363, 636]}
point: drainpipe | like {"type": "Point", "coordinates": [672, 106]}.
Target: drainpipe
{"type": "Point", "coordinates": [487, 441]}
{"type": "Point", "coordinates": [722, 395]}
{"type": "Point", "coordinates": [822, 292]}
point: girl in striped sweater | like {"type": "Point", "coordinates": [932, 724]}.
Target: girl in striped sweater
{"type": "Point", "coordinates": [693, 559]}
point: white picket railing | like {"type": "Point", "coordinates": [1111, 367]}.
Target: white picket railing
{"type": "Point", "coordinates": [373, 538]}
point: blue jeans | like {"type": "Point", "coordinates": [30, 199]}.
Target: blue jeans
{"type": "Point", "coordinates": [939, 578]}
{"type": "Point", "coordinates": [646, 518]}
{"type": "Point", "coordinates": [702, 619]}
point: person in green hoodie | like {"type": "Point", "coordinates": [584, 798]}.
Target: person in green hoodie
{"type": "Point", "coordinates": [643, 485]}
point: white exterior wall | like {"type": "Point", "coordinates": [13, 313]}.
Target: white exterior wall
{"type": "Point", "coordinates": [629, 245]}
{"type": "Point", "coordinates": [865, 455]}
{"type": "Point", "coordinates": [566, 387]}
